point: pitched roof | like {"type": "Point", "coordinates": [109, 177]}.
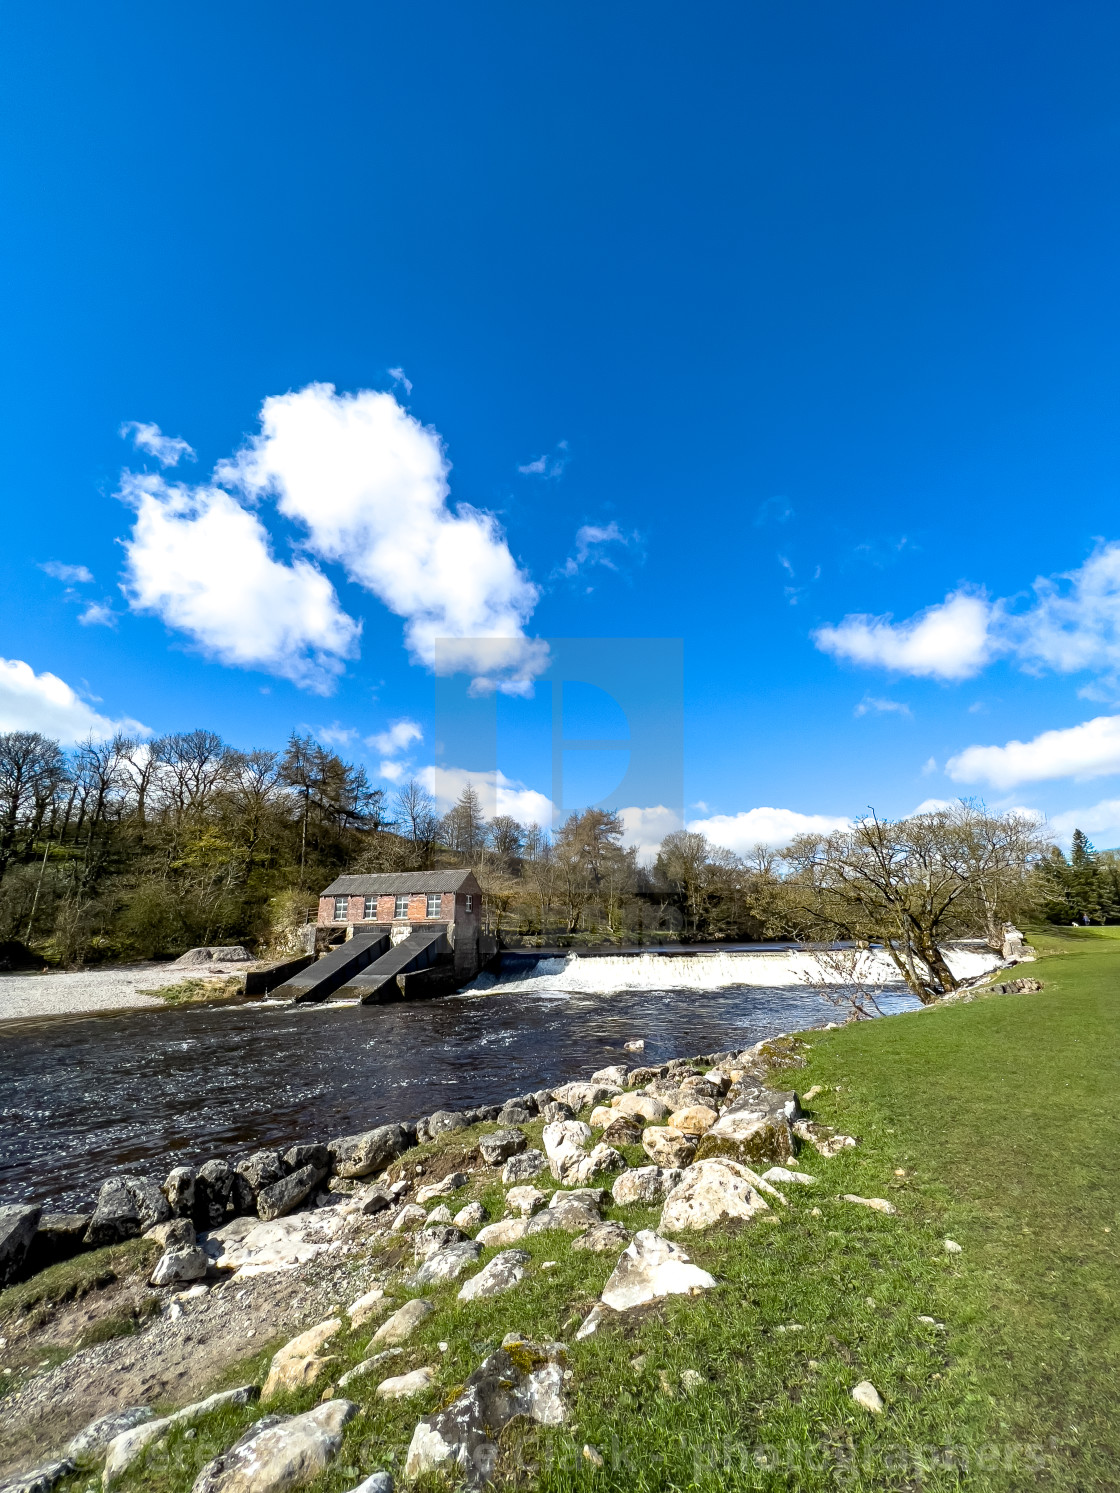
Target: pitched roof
{"type": "Point", "coordinates": [394, 883]}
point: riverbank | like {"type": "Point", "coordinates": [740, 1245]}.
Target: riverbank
{"type": "Point", "coordinates": [989, 1123]}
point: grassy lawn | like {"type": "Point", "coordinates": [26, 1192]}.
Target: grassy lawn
{"type": "Point", "coordinates": [993, 1123]}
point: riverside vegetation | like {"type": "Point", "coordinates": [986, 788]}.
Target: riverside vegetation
{"type": "Point", "coordinates": [958, 1333]}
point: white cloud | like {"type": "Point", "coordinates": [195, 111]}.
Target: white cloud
{"type": "Point", "coordinates": [550, 465]}
{"type": "Point", "coordinates": [369, 484]}
{"type": "Point", "coordinates": [928, 766]}
{"type": "Point", "coordinates": [98, 614]}
{"type": "Point", "coordinates": [775, 827]}
{"type": "Point", "coordinates": [498, 794]}
{"type": "Point", "coordinates": [1102, 817]}
{"type": "Point", "coordinates": [1091, 750]}
{"type": "Point", "coordinates": [168, 450]}
{"type": "Point", "coordinates": [46, 703]}
{"type": "Point", "coordinates": [71, 574]}
{"type": "Point", "coordinates": [590, 542]}
{"type": "Point", "coordinates": [336, 735]}
{"type": "Point", "coordinates": [870, 703]}
{"type": "Point", "coordinates": [1075, 623]}
{"type": "Point", "coordinates": [646, 828]}
{"type": "Point", "coordinates": [203, 564]}
{"type": "Point", "coordinates": [398, 738]}
{"type": "Point", "coordinates": [949, 641]}
{"type": "Point", "coordinates": [393, 772]}
{"type": "Point", "coordinates": [932, 806]}
{"type": "Point", "coordinates": [398, 377]}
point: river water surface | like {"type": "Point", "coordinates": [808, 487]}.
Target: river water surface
{"type": "Point", "coordinates": [82, 1097]}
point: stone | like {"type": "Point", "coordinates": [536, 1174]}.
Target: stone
{"type": "Point", "coordinates": [403, 1322]}
{"type": "Point", "coordinates": [822, 1137]}
{"type": "Point", "coordinates": [177, 1266]}
{"type": "Point", "coordinates": [369, 1200]}
{"type": "Point", "coordinates": [285, 1196]}
{"type": "Point", "coordinates": [636, 1045]}
{"type": "Point", "coordinates": [523, 1379]}
{"type": "Point", "coordinates": [783, 1174]}
{"type": "Point", "coordinates": [308, 1154]}
{"type": "Point", "coordinates": [501, 1274]}
{"type": "Point", "coordinates": [470, 1217]}
{"type": "Point", "coordinates": [614, 1077]}
{"type": "Point", "coordinates": [691, 1381]}
{"type": "Point", "coordinates": [407, 1219]}
{"type": "Point", "coordinates": [179, 1191]}
{"type": "Point", "coordinates": [515, 1114]}
{"type": "Point", "coordinates": [126, 1206]}
{"type": "Point", "coordinates": [721, 1082]}
{"type": "Point", "coordinates": [251, 1248]}
{"type": "Point", "coordinates": [449, 1263]}
{"type": "Point", "coordinates": [552, 1110]}
{"type": "Point", "coordinates": [128, 1446]}
{"type": "Point", "coordinates": [404, 1386]}
{"type": "Point", "coordinates": [694, 1119]}
{"type": "Point", "coordinates": [600, 1116]}
{"type": "Point", "coordinates": [868, 1397]}
{"type": "Point", "coordinates": [712, 1192]}
{"type": "Point", "coordinates": [430, 1240]}
{"type": "Point", "coordinates": [581, 1095]}
{"type": "Point", "coordinates": [371, 1304]}
{"type": "Point", "coordinates": [748, 1136]}
{"type": "Point", "coordinates": [651, 1268]}
{"type": "Point", "coordinates": [39, 1479]}
{"type": "Point", "coordinates": [668, 1147]}
{"type": "Point", "coordinates": [593, 1321]}
{"type": "Point", "coordinates": [18, 1223]}
{"type": "Point", "coordinates": [298, 1363]}
{"type": "Point", "coordinates": [593, 1455]}
{"type": "Point", "coordinates": [369, 1151]}
{"type": "Point", "coordinates": [367, 1366]}
{"type": "Point", "coordinates": [645, 1107]}
{"type": "Point", "coordinates": [377, 1482]}
{"type": "Point", "coordinates": [525, 1200]}
{"type": "Point", "coordinates": [505, 1231]}
{"type": "Point", "coordinates": [604, 1238]}
{"type": "Point", "coordinates": [524, 1167]}
{"type": "Point", "coordinates": [645, 1185]}
{"type": "Point", "coordinates": [565, 1143]}
{"type": "Point", "coordinates": [812, 1093]}
{"type": "Point", "coordinates": [213, 1191]}
{"type": "Point", "coordinates": [443, 1188]}
{"type": "Point", "coordinates": [59, 1236]}
{"type": "Point", "coordinates": [621, 1131]}
{"type": "Point", "coordinates": [500, 1145]}
{"type": "Point", "coordinates": [279, 1452]}
{"type": "Point", "coordinates": [952, 1247]}
{"type": "Point", "coordinates": [571, 1214]}
{"type": "Point", "coordinates": [637, 1078]}
{"type": "Point", "coordinates": [442, 1214]}
{"type": "Point", "coordinates": [879, 1205]}
{"type": "Point", "coordinates": [94, 1439]}
{"type": "Point", "coordinates": [216, 954]}
{"type": "Point", "coordinates": [176, 1233]}
{"type": "Point", "coordinates": [252, 1174]}
{"type": "Point", "coordinates": [444, 1121]}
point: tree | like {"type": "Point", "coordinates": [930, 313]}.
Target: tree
{"type": "Point", "coordinates": [32, 770]}
{"type": "Point", "coordinates": [464, 824]}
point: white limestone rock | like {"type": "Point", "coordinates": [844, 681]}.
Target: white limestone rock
{"type": "Point", "coordinates": [651, 1268]}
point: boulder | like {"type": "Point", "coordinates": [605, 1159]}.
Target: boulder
{"type": "Point", "coordinates": [180, 1266]}
{"type": "Point", "coordinates": [868, 1397]}
{"type": "Point", "coordinates": [444, 1121]}
{"type": "Point", "coordinates": [473, 1216]}
{"type": "Point", "coordinates": [407, 1218]}
{"type": "Point", "coordinates": [179, 1191]}
{"type": "Point", "coordinates": [308, 1153]}
{"type": "Point", "coordinates": [525, 1200]}
{"type": "Point", "coordinates": [252, 1174]}
{"type": "Point", "coordinates": [636, 1045]}
{"type": "Point", "coordinates": [552, 1110]}
{"type": "Point", "coordinates": [430, 1240]}
{"type": "Point", "coordinates": [92, 1442]}
{"type": "Point", "coordinates": [651, 1268]}
{"type": "Point", "coordinates": [40, 1479]}
{"type": "Point", "coordinates": [279, 1452]}
{"type": "Point", "coordinates": [59, 1236]}
{"type": "Point", "coordinates": [285, 1196]}
{"type": "Point", "coordinates": [694, 1119]}
{"type": "Point", "coordinates": [600, 1116]}
{"type": "Point", "coordinates": [614, 1077]}
{"type": "Point", "coordinates": [783, 1174]}
{"type": "Point", "coordinates": [368, 1201]}
{"type": "Point", "coordinates": [637, 1078]}
{"type": "Point", "coordinates": [523, 1379]}
{"type": "Point", "coordinates": [213, 1192]}
{"type": "Point", "coordinates": [298, 1363]}
{"type": "Point", "coordinates": [515, 1114]}
{"type": "Point", "coordinates": [580, 1095]}
{"type": "Point", "coordinates": [582, 1169]}
{"type": "Point", "coordinates": [823, 1138]}
{"type": "Point", "coordinates": [377, 1482]}
{"type": "Point", "coordinates": [712, 1192]}
{"type": "Point", "coordinates": [369, 1151]}
{"type": "Point", "coordinates": [126, 1206]}
{"type": "Point", "coordinates": [645, 1185]}
{"type": "Point", "coordinates": [524, 1167]}
{"type": "Point", "coordinates": [645, 1107]}
{"type": "Point", "coordinates": [622, 1131]}
{"type": "Point", "coordinates": [701, 1091]}
{"type": "Point", "coordinates": [400, 1326]}
{"type": "Point", "coordinates": [667, 1147]}
{"type": "Point", "coordinates": [572, 1214]}
{"type": "Point", "coordinates": [604, 1238]}
{"type": "Point", "coordinates": [443, 1188]}
{"type": "Point", "coordinates": [216, 954]}
{"type": "Point", "coordinates": [128, 1446]}
{"type": "Point", "coordinates": [442, 1214]}
{"type": "Point", "coordinates": [500, 1145]}
{"type": "Point", "coordinates": [371, 1304]}
{"type": "Point", "coordinates": [877, 1205]}
{"type": "Point", "coordinates": [176, 1233]}
{"type": "Point", "coordinates": [502, 1273]}
{"type": "Point", "coordinates": [18, 1223]}
{"type": "Point", "coordinates": [505, 1231]}
{"type": "Point", "coordinates": [565, 1143]}
{"type": "Point", "coordinates": [252, 1248]}
{"type": "Point", "coordinates": [749, 1136]}
{"type": "Point", "coordinates": [404, 1386]}
{"type": "Point", "coordinates": [448, 1263]}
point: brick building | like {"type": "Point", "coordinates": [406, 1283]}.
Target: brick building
{"type": "Point", "coordinates": [405, 900]}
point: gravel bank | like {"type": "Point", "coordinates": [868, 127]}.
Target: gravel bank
{"type": "Point", "coordinates": [86, 991]}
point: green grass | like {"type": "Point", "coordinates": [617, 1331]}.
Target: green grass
{"type": "Point", "coordinates": [1001, 1114]}
{"type": "Point", "coordinates": [70, 1280]}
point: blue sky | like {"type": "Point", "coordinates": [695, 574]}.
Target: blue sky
{"type": "Point", "coordinates": [736, 324]}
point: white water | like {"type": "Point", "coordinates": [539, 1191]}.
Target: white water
{"type": "Point", "coordinates": [612, 974]}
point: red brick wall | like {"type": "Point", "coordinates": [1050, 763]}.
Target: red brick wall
{"type": "Point", "coordinates": [452, 909]}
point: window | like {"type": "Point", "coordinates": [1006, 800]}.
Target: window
{"type": "Point", "coordinates": [341, 909]}
{"type": "Point", "coordinates": [470, 902]}
{"type": "Point", "coordinates": [400, 905]}
{"type": "Point", "coordinates": [435, 905]}
{"type": "Point", "coordinates": [369, 912]}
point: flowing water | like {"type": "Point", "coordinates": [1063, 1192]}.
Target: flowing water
{"type": "Point", "coordinates": [82, 1097]}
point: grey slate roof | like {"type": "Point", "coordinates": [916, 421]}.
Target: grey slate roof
{"type": "Point", "coordinates": [393, 883]}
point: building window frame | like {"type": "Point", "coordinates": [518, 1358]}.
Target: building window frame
{"type": "Point", "coordinates": [342, 909]}
{"type": "Point", "coordinates": [400, 905]}
{"type": "Point", "coordinates": [469, 901]}
{"type": "Point", "coordinates": [369, 910]}
{"type": "Point", "coordinates": [434, 905]}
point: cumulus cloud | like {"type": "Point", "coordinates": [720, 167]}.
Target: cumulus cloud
{"type": "Point", "coordinates": [398, 377]}
{"type": "Point", "coordinates": [550, 466]}
{"type": "Point", "coordinates": [46, 703]}
{"type": "Point", "coordinates": [1097, 819]}
{"type": "Point", "coordinates": [98, 614]}
{"type": "Point", "coordinates": [774, 827]}
{"type": "Point", "coordinates": [168, 450]}
{"type": "Point", "coordinates": [497, 793]}
{"type": "Point", "coordinates": [369, 485]}
{"type": "Point", "coordinates": [591, 540]}
{"type": "Point", "coordinates": [949, 641]}
{"type": "Point", "coordinates": [398, 738]}
{"type": "Point", "coordinates": [1091, 750]}
{"type": "Point", "coordinates": [870, 704]}
{"type": "Point", "coordinates": [646, 828]}
{"type": "Point", "coordinates": [203, 564]}
{"type": "Point", "coordinates": [336, 734]}
{"type": "Point", "coordinates": [73, 575]}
